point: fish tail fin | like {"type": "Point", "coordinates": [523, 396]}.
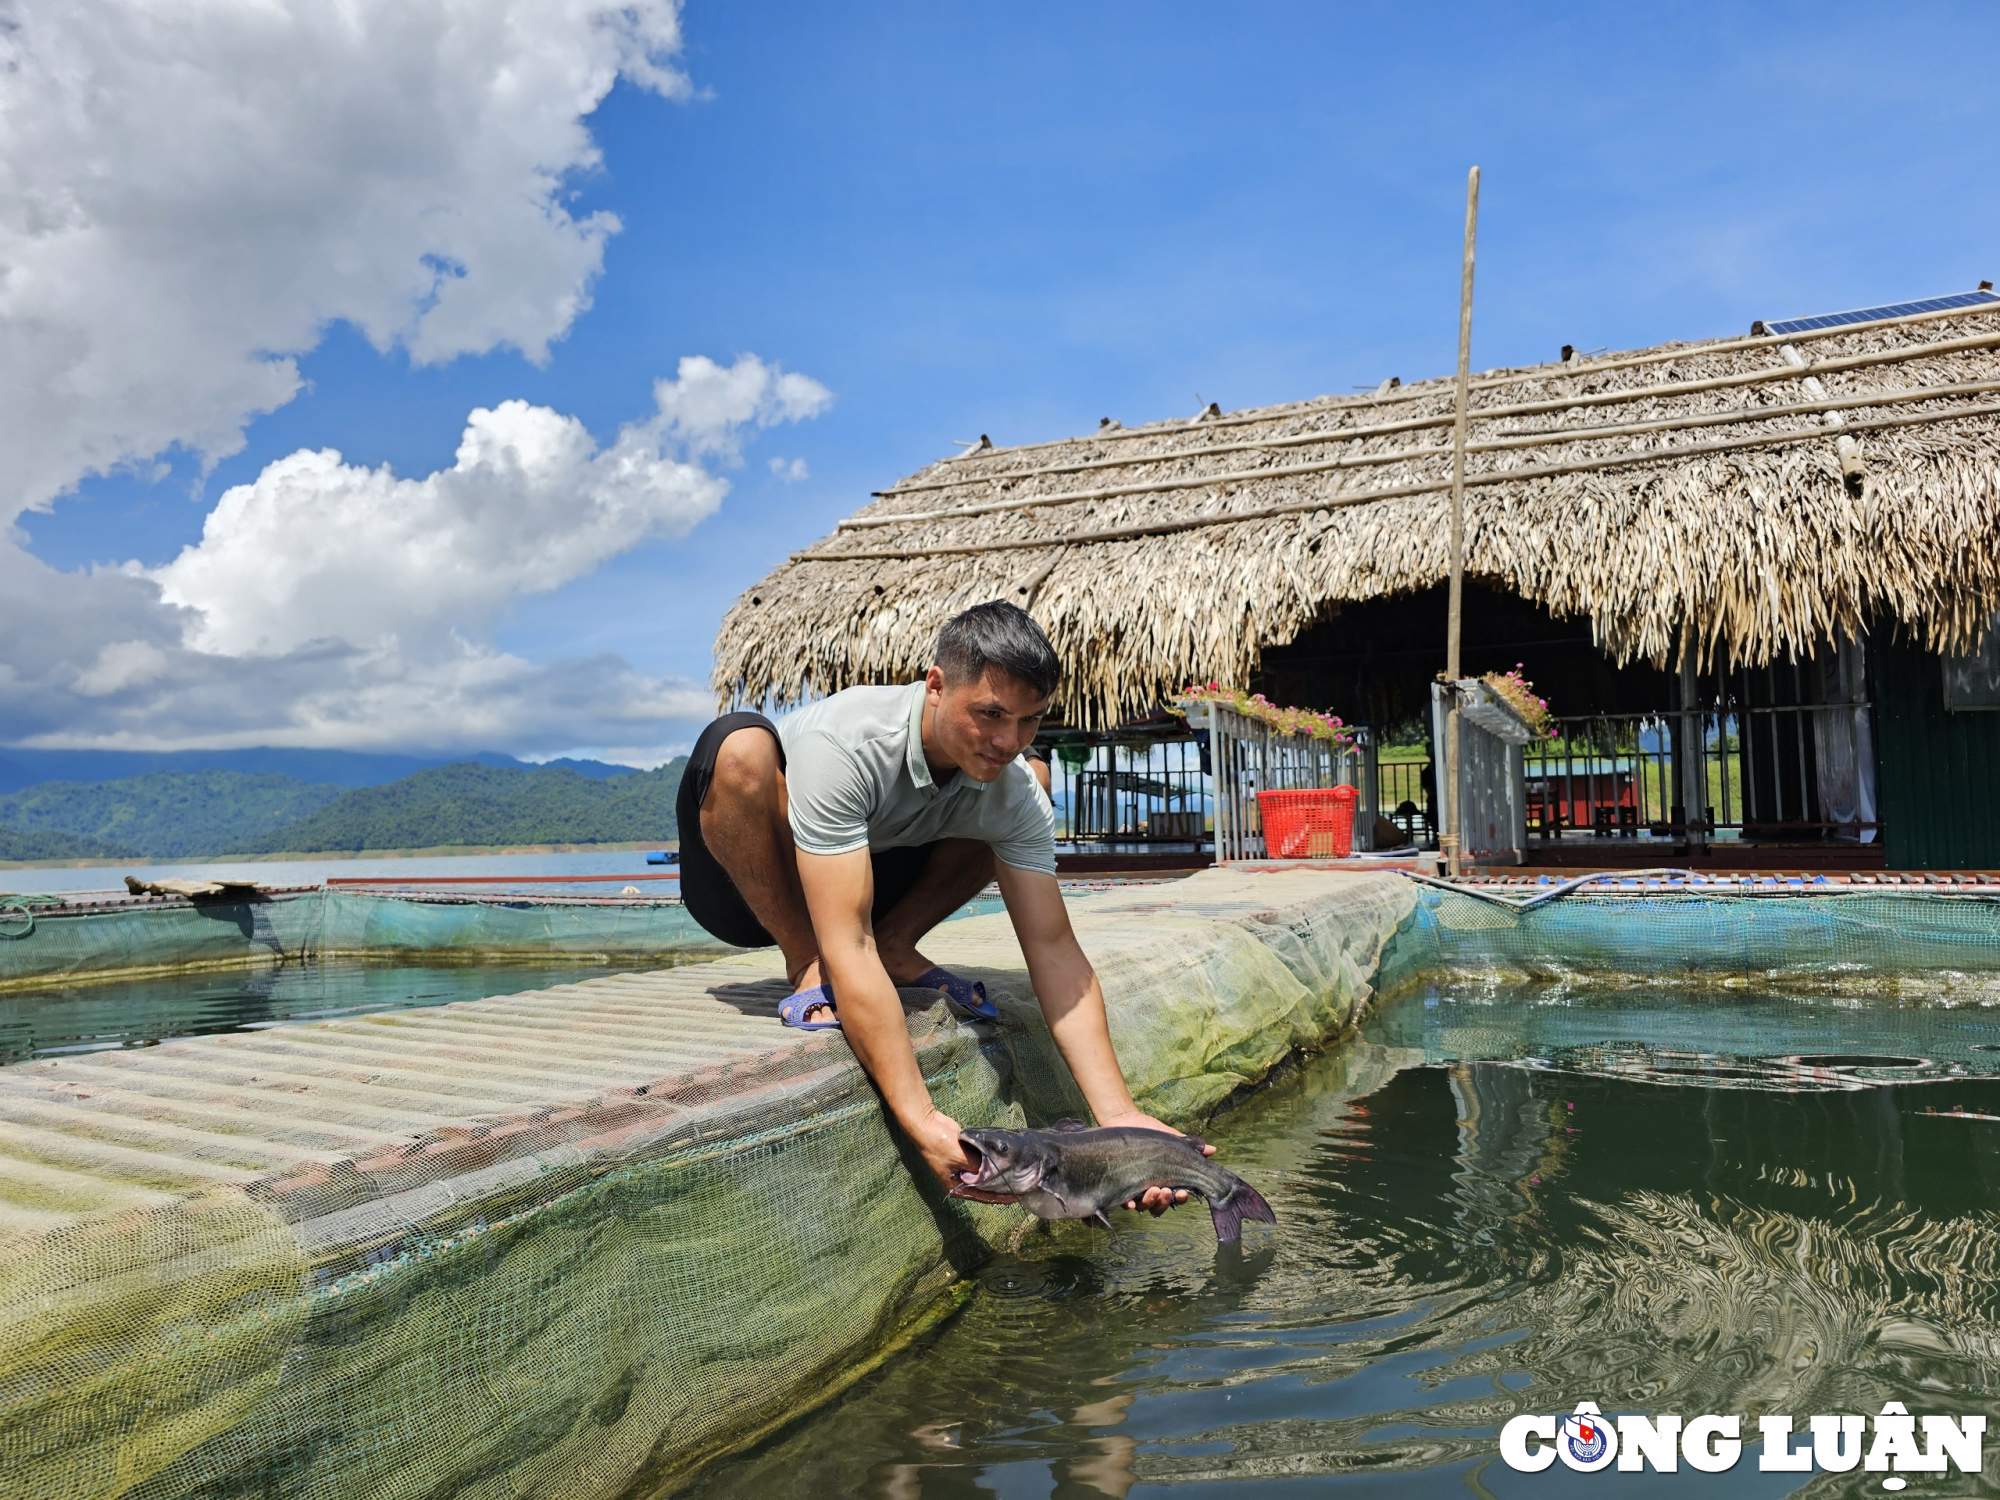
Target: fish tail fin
{"type": "Point", "coordinates": [1243, 1202]}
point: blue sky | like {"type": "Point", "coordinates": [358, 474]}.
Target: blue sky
{"type": "Point", "coordinates": [1017, 221]}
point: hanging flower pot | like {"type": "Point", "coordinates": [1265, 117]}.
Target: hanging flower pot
{"type": "Point", "coordinates": [1197, 705]}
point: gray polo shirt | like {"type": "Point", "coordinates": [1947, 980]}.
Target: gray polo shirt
{"type": "Point", "coordinates": [855, 770]}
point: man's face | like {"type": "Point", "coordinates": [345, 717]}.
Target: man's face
{"type": "Point", "coordinates": [981, 726]}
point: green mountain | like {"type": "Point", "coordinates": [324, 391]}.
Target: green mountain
{"type": "Point", "coordinates": [468, 803]}
{"type": "Point", "coordinates": [20, 768]}
{"type": "Point", "coordinates": [36, 843]}
{"type": "Point", "coordinates": [168, 814]}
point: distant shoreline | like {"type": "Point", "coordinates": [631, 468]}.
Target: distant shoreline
{"type": "Point", "coordinates": [145, 861]}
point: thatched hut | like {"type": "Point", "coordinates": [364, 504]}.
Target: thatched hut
{"type": "Point", "coordinates": [1720, 505]}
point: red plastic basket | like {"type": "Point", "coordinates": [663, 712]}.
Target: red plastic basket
{"type": "Point", "coordinates": [1308, 825]}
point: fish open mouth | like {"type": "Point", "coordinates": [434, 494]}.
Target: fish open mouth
{"type": "Point", "coordinates": [976, 1156]}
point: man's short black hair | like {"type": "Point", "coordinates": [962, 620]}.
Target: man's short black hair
{"type": "Point", "coordinates": [998, 634]}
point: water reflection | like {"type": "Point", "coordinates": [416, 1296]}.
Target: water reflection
{"type": "Point", "coordinates": [93, 1017]}
{"type": "Point", "coordinates": [1759, 1206]}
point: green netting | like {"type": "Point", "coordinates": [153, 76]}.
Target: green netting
{"type": "Point", "coordinates": [132, 1336]}
{"type": "Point", "coordinates": [36, 946]}
{"type": "Point", "coordinates": [357, 925]}
{"type": "Point", "coordinates": [548, 1347]}
{"type": "Point", "coordinates": [138, 938]}
{"type": "Point", "coordinates": [1874, 943]}
{"type": "Point", "coordinates": [476, 1251]}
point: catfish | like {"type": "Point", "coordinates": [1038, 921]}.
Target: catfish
{"type": "Point", "coordinates": [1076, 1172]}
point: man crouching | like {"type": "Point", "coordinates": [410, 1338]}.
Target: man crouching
{"type": "Point", "coordinates": [867, 819]}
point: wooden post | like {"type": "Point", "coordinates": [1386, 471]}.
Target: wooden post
{"type": "Point", "coordinates": [1451, 838]}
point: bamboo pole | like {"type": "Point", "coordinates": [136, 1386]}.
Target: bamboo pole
{"type": "Point", "coordinates": [1451, 840]}
{"type": "Point", "coordinates": [1663, 391]}
{"type": "Point", "coordinates": [1401, 491]}
{"type": "Point", "coordinates": [1547, 437]}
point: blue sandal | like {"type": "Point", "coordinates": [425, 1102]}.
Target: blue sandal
{"type": "Point", "coordinates": [792, 1009]}
{"type": "Point", "coordinates": [969, 995]}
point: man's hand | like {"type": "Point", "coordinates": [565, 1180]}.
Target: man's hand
{"type": "Point", "coordinates": [936, 1136]}
{"type": "Point", "coordinates": [1155, 1201]}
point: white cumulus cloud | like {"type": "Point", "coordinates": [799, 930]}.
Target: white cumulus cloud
{"type": "Point", "coordinates": [121, 665]}
{"type": "Point", "coordinates": [709, 406]}
{"type": "Point", "coordinates": [191, 193]}
{"type": "Point", "coordinates": [318, 549]}
{"type": "Point", "coordinates": [334, 604]}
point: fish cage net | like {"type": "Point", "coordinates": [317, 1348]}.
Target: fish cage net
{"type": "Point", "coordinates": [1918, 944]}
{"type": "Point", "coordinates": [103, 935]}
{"type": "Point", "coordinates": [567, 1242]}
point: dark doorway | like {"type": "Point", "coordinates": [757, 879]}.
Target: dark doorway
{"type": "Point", "coordinates": [1373, 663]}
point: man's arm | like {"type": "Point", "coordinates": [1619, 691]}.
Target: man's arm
{"type": "Point", "coordinates": [1073, 1002]}
{"type": "Point", "coordinates": [839, 891]}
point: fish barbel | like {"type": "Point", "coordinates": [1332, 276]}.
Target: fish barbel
{"type": "Point", "coordinates": [1074, 1172]}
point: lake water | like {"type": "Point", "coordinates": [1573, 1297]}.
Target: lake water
{"type": "Point", "coordinates": [68, 1018]}
{"type": "Point", "coordinates": [1496, 1203]}
{"type": "Point", "coordinates": [68, 1015]}
{"type": "Point", "coordinates": [289, 872]}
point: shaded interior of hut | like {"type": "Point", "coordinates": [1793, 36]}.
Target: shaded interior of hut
{"type": "Point", "coordinates": [1790, 763]}
{"type": "Point", "coordinates": [1373, 662]}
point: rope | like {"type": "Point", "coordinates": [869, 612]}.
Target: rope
{"type": "Point", "coordinates": [1514, 903]}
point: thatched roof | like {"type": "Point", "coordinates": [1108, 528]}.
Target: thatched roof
{"type": "Point", "coordinates": [1747, 496]}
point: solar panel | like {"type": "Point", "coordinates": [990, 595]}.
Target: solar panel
{"type": "Point", "coordinates": [1870, 314]}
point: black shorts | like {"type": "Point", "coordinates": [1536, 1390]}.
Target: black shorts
{"type": "Point", "coordinates": [707, 891]}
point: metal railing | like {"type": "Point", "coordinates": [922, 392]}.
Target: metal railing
{"type": "Point", "coordinates": [1164, 785]}
{"type": "Point", "coordinates": [1784, 772]}
{"type": "Point", "coordinates": [1134, 788]}
{"type": "Point", "coordinates": [1607, 775]}
{"type": "Point", "coordinates": [1405, 797]}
